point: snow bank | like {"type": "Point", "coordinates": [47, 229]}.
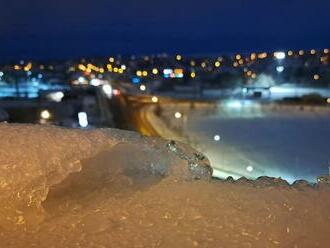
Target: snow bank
{"type": "Point", "coordinates": [111, 188]}
{"type": "Point", "coordinates": [34, 158]}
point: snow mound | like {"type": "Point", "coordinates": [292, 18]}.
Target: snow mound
{"type": "Point", "coordinates": [34, 158]}
{"type": "Point", "coordinates": [112, 188]}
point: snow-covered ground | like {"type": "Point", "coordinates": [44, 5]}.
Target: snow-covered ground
{"type": "Point", "coordinates": [246, 138]}
{"type": "Point", "coordinates": [111, 188]}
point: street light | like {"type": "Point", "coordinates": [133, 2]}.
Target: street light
{"type": "Point", "coordinates": [177, 115]}
{"type": "Point", "coordinates": [45, 114]}
{"type": "Point", "coordinates": [279, 55]}
{"type": "Point", "coordinates": [143, 87]}
{"type": "Point", "coordinates": [154, 99]}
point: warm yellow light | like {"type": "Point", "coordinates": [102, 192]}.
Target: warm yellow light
{"type": "Point", "coordinates": [17, 67]}
{"type": "Point", "coordinates": [115, 69]}
{"type": "Point", "coordinates": [192, 63]}
{"type": "Point", "coordinates": [238, 57]}
{"type": "Point", "coordinates": [139, 73]}
{"type": "Point", "coordinates": [313, 51]}
{"type": "Point", "coordinates": [328, 100]}
{"type": "Point", "coordinates": [81, 67]}
{"type": "Point", "coordinates": [254, 75]}
{"type": "Point", "coordinates": [301, 52]}
{"type": "Point", "coordinates": [203, 64]}
{"type": "Point", "coordinates": [253, 56]}
{"type": "Point", "coordinates": [249, 73]}
{"type": "Point", "coordinates": [262, 55]}
{"type": "Point", "coordinates": [217, 64]}
{"type": "Point", "coordinates": [193, 74]}
{"type": "Point", "coordinates": [290, 53]}
{"type": "Point", "coordinates": [45, 114]}
{"type": "Point", "coordinates": [120, 71]}
{"type": "Point", "coordinates": [178, 57]}
{"type": "Point", "coordinates": [235, 64]}
{"type": "Point", "coordinates": [241, 61]}
{"type": "Point", "coordinates": [154, 99]}
{"type": "Point", "coordinates": [111, 60]}
{"type": "Point", "coordinates": [144, 73]}
{"type": "Point", "coordinates": [316, 77]}
{"type": "Point", "coordinates": [155, 71]}
{"type": "Point", "coordinates": [326, 50]}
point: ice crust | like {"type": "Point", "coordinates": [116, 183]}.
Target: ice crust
{"type": "Point", "coordinates": [34, 158]}
{"type": "Point", "coordinates": [112, 188]}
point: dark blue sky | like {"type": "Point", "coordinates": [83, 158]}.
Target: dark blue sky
{"type": "Point", "coordinates": [74, 28]}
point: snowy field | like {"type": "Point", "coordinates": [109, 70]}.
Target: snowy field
{"type": "Point", "coordinates": [252, 140]}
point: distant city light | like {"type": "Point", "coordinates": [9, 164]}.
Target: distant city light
{"type": "Point", "coordinates": [316, 77]}
{"type": "Point", "coordinates": [111, 60]}
{"type": "Point", "coordinates": [143, 87]}
{"type": "Point", "coordinates": [155, 71]}
{"type": "Point", "coordinates": [107, 89]}
{"type": "Point", "coordinates": [290, 53]}
{"type": "Point", "coordinates": [136, 80]}
{"type": "Point", "coordinates": [82, 119]}
{"type": "Point", "coordinates": [178, 57]}
{"type": "Point", "coordinates": [56, 96]}
{"type": "Point", "coordinates": [238, 57]}
{"type": "Point", "coordinates": [45, 114]}
{"type": "Point", "coordinates": [81, 80]}
{"type": "Point", "coordinates": [1, 73]}
{"type": "Point", "coordinates": [216, 137]}
{"type": "Point", "coordinates": [144, 73]}
{"type": "Point", "coordinates": [279, 55]}
{"type": "Point", "coordinates": [178, 73]}
{"type": "Point", "coordinates": [328, 100]}
{"type": "Point", "coordinates": [154, 99]}
{"type": "Point", "coordinates": [168, 73]}
{"type": "Point", "coordinates": [217, 64]}
{"type": "Point", "coordinates": [262, 55]}
{"type": "Point", "coordinates": [280, 68]}
{"type": "Point", "coordinates": [177, 115]}
{"type": "Point", "coordinates": [193, 74]}
{"type": "Point", "coordinates": [253, 56]}
{"type": "Point", "coordinates": [326, 50]}
{"type": "Point", "coordinates": [301, 52]}
{"type": "Point", "coordinates": [116, 92]}
{"type": "Point", "coordinates": [139, 73]}
{"type": "Point", "coordinates": [95, 82]}
{"type": "Point", "coordinates": [249, 168]}
{"type": "Point", "coordinates": [313, 51]}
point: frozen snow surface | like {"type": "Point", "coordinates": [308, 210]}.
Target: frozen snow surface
{"type": "Point", "coordinates": [112, 188]}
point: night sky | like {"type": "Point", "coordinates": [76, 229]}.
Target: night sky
{"type": "Point", "coordinates": [47, 29]}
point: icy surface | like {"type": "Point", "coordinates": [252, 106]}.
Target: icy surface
{"type": "Point", "coordinates": [110, 188]}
